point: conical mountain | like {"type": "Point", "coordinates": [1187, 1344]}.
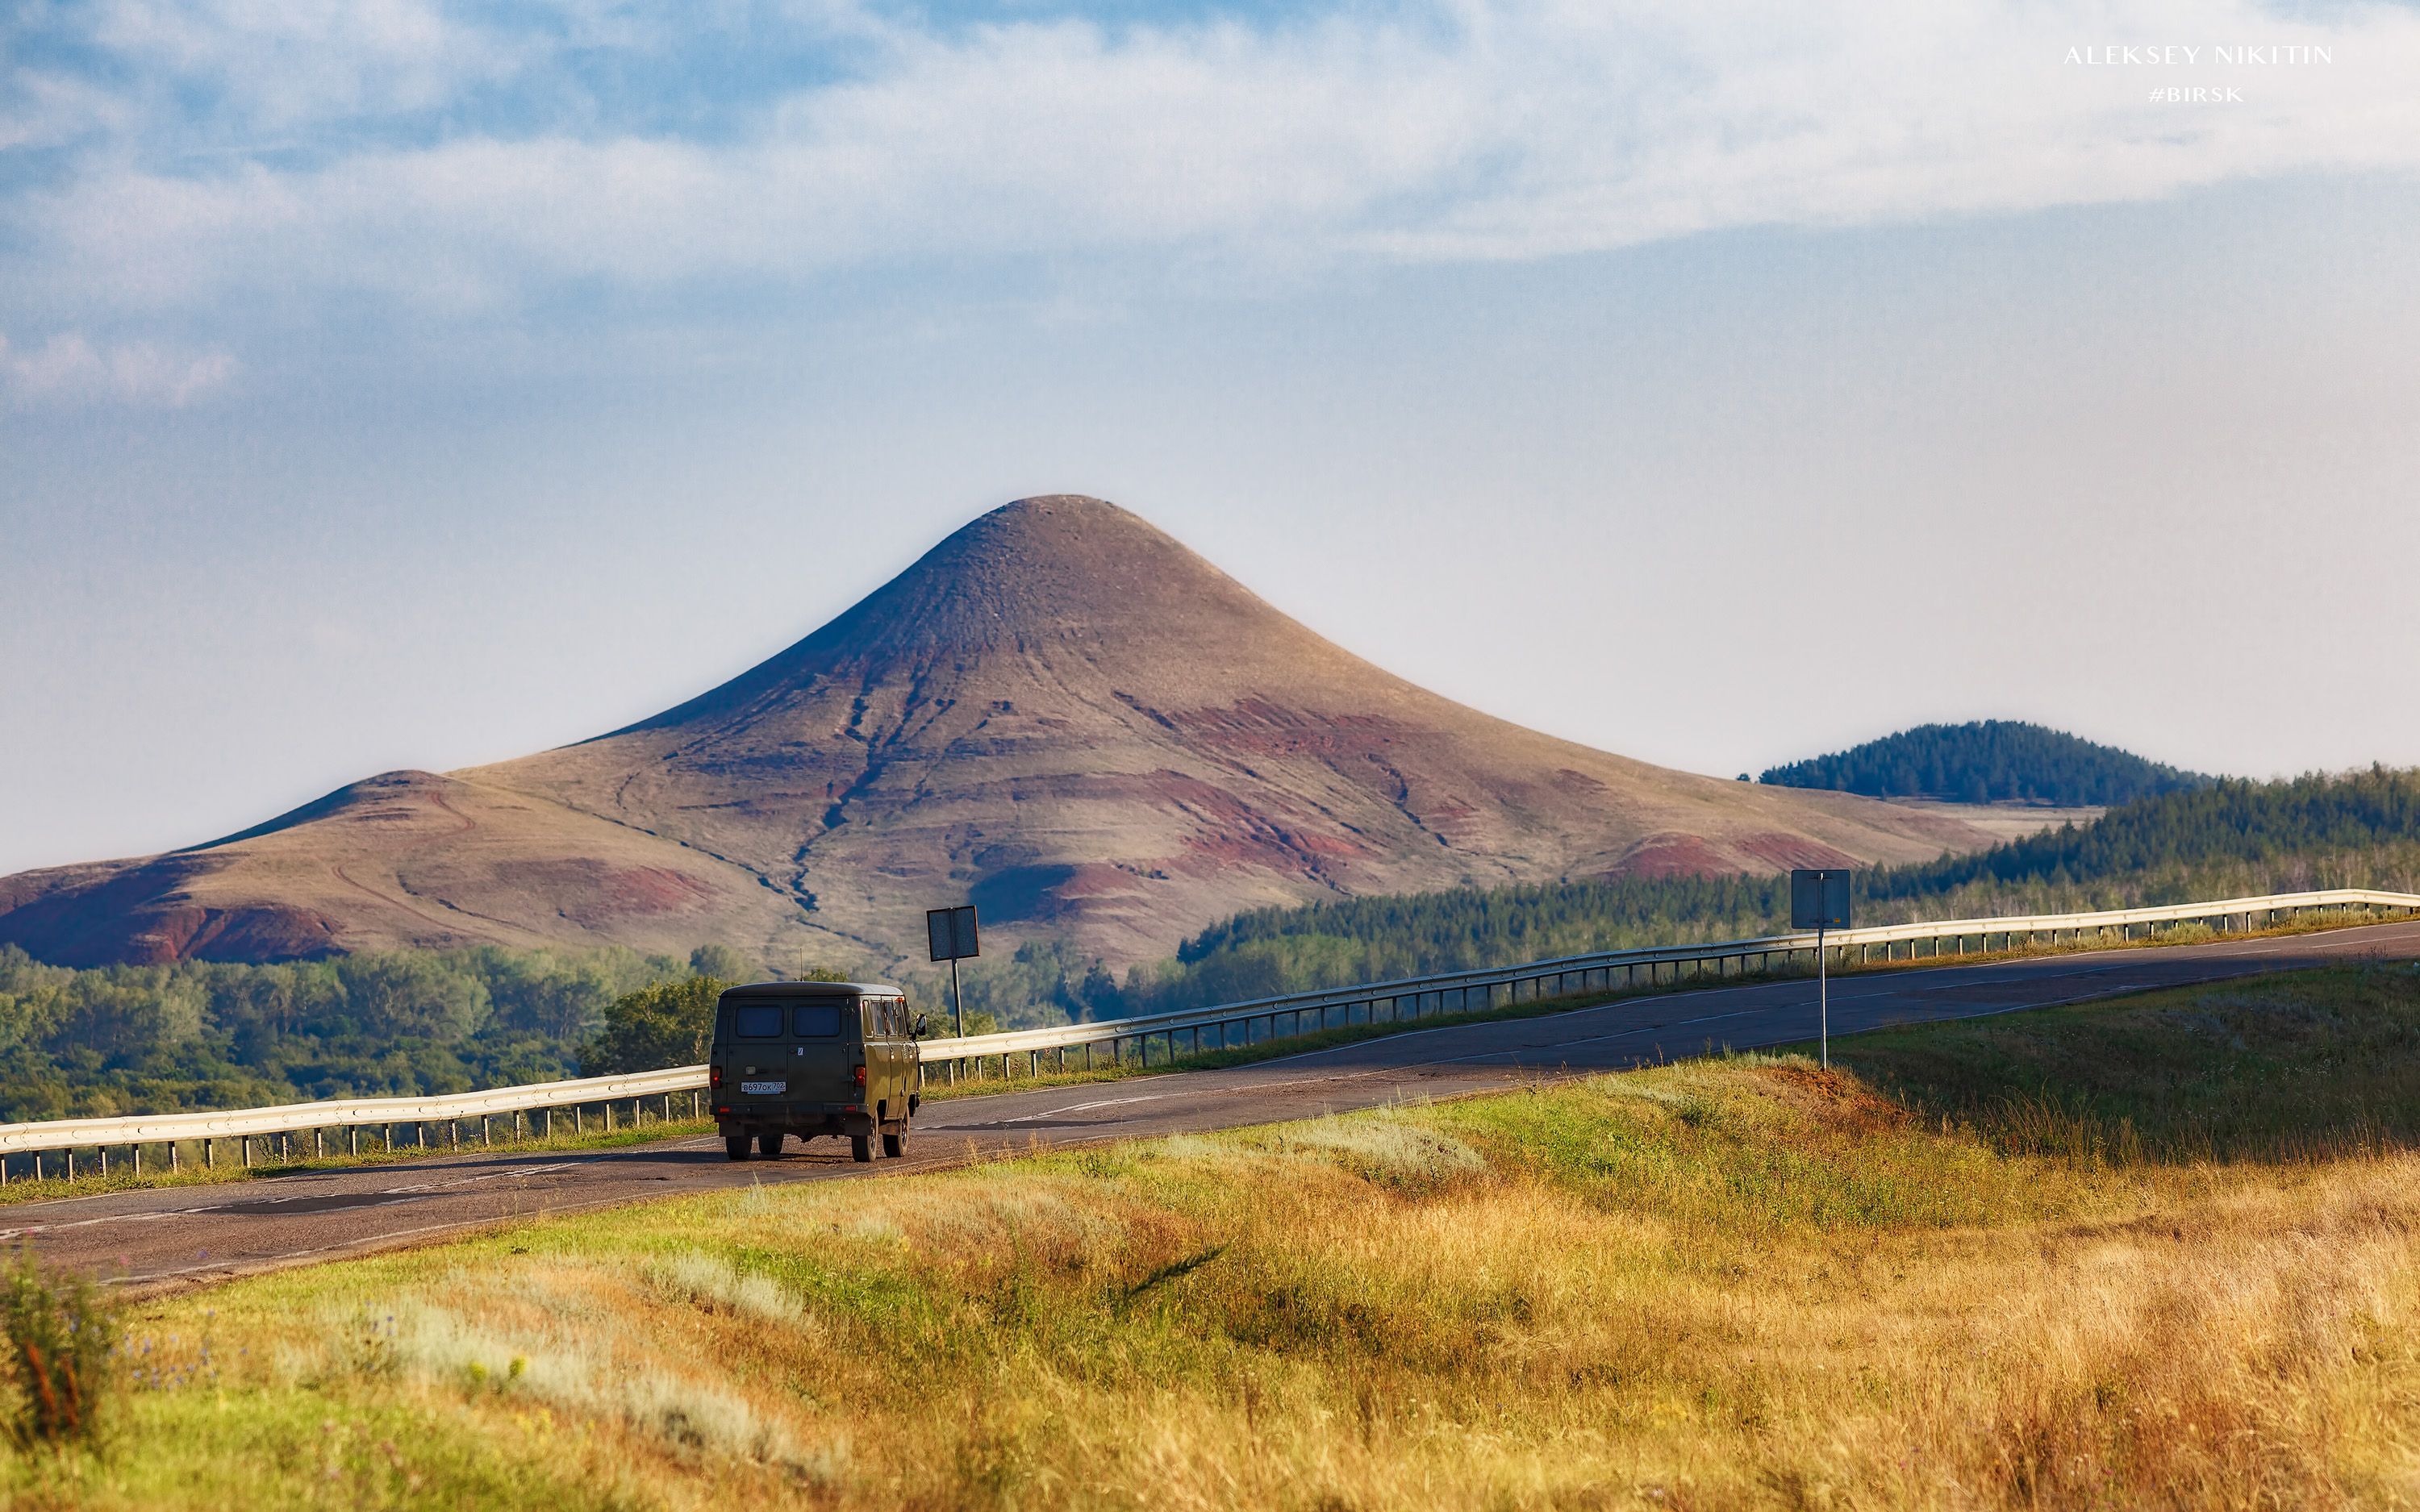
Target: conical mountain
{"type": "Point", "coordinates": [1059, 712]}
{"type": "Point", "coordinates": [1069, 717]}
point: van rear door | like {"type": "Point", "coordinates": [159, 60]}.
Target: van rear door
{"type": "Point", "coordinates": [825, 1052]}
{"type": "Point", "coordinates": [757, 1052]}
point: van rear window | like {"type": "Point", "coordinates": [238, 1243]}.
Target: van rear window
{"type": "Point", "coordinates": [757, 1021]}
{"type": "Point", "coordinates": [816, 1021]}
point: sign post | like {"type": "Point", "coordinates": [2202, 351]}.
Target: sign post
{"type": "Point", "coordinates": [951, 933]}
{"type": "Point", "coordinates": [1819, 900]}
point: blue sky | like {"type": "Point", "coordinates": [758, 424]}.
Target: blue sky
{"type": "Point", "coordinates": [404, 383]}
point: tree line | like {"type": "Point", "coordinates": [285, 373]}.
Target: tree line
{"type": "Point", "coordinates": [199, 1034]}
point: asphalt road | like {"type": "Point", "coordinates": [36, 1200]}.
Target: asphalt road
{"type": "Point", "coordinates": [173, 1237]}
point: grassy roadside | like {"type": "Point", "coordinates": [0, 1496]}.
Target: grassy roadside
{"type": "Point", "coordinates": [1980, 1264]}
{"type": "Point", "coordinates": [936, 1090]}
{"type": "Point", "coordinates": [2308, 1066]}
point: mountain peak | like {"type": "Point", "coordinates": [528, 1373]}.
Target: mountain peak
{"type": "Point", "coordinates": [1056, 563]}
{"type": "Point", "coordinates": [1067, 585]}
{"type": "Point", "coordinates": [1059, 712]}
{"type": "Point", "coordinates": [1070, 558]}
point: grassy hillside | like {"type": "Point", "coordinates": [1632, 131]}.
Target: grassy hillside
{"type": "Point", "coordinates": [2231, 838]}
{"type": "Point", "coordinates": [1989, 761]}
{"type": "Point", "coordinates": [1972, 1267]}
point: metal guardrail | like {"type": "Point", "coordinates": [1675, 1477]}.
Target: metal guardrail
{"type": "Point", "coordinates": [1183, 1031]}
{"type": "Point", "coordinates": [1479, 991]}
{"type": "Point", "coordinates": [348, 1115]}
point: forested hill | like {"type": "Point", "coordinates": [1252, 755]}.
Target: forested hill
{"type": "Point", "coordinates": [2308, 821]}
{"type": "Point", "coordinates": [2227, 840]}
{"type": "Point", "coordinates": [1989, 761]}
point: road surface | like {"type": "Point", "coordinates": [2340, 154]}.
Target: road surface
{"type": "Point", "coordinates": [171, 1237]}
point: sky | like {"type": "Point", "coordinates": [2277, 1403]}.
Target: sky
{"type": "Point", "coordinates": [410, 384]}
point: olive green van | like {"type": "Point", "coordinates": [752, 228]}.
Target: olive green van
{"type": "Point", "coordinates": [814, 1058]}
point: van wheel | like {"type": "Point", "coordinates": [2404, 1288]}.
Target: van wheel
{"type": "Point", "coordinates": [736, 1146]}
{"type": "Point", "coordinates": [860, 1148]}
{"type": "Point", "coordinates": [895, 1141]}
{"type": "Point", "coordinates": [769, 1144]}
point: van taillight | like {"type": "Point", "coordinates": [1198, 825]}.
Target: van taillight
{"type": "Point", "coordinates": [714, 1078]}
{"type": "Point", "coordinates": [860, 1075]}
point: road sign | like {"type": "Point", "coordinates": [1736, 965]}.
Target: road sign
{"type": "Point", "coordinates": [1819, 900]}
{"type": "Point", "coordinates": [952, 933]}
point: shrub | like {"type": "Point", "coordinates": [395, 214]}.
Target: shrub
{"type": "Point", "coordinates": [670, 1024]}
{"type": "Point", "coordinates": [666, 1025]}
{"type": "Point", "coordinates": [62, 1340]}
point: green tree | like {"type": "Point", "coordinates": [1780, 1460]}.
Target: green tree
{"type": "Point", "coordinates": [665, 1025]}
{"type": "Point", "coordinates": [401, 995]}
{"type": "Point", "coordinates": [724, 962]}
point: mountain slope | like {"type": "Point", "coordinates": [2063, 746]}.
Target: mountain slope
{"type": "Point", "coordinates": [1066, 714]}
{"type": "Point", "coordinates": [1989, 761]}
{"type": "Point", "coordinates": [1057, 711]}
{"type": "Point", "coordinates": [403, 859]}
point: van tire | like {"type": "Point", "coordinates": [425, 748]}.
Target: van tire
{"type": "Point", "coordinates": [736, 1146]}
{"type": "Point", "coordinates": [768, 1146]}
{"type": "Point", "coordinates": [894, 1142]}
{"type": "Point", "coordinates": [860, 1148]}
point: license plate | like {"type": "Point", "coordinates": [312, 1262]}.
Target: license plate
{"type": "Point", "coordinates": [763, 1088]}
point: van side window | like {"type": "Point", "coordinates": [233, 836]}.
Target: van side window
{"type": "Point", "coordinates": [815, 1021]}
{"type": "Point", "coordinates": [890, 1019]}
{"type": "Point", "coordinates": [757, 1021]}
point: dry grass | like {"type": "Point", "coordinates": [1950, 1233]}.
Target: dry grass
{"type": "Point", "coordinates": [1738, 1283]}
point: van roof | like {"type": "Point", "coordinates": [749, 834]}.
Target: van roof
{"type": "Point", "coordinates": [815, 989]}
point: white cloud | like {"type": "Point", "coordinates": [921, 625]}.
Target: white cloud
{"type": "Point", "coordinates": [69, 369]}
{"type": "Point", "coordinates": [1472, 130]}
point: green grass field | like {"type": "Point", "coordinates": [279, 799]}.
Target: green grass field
{"type": "Point", "coordinates": [2156, 1252]}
